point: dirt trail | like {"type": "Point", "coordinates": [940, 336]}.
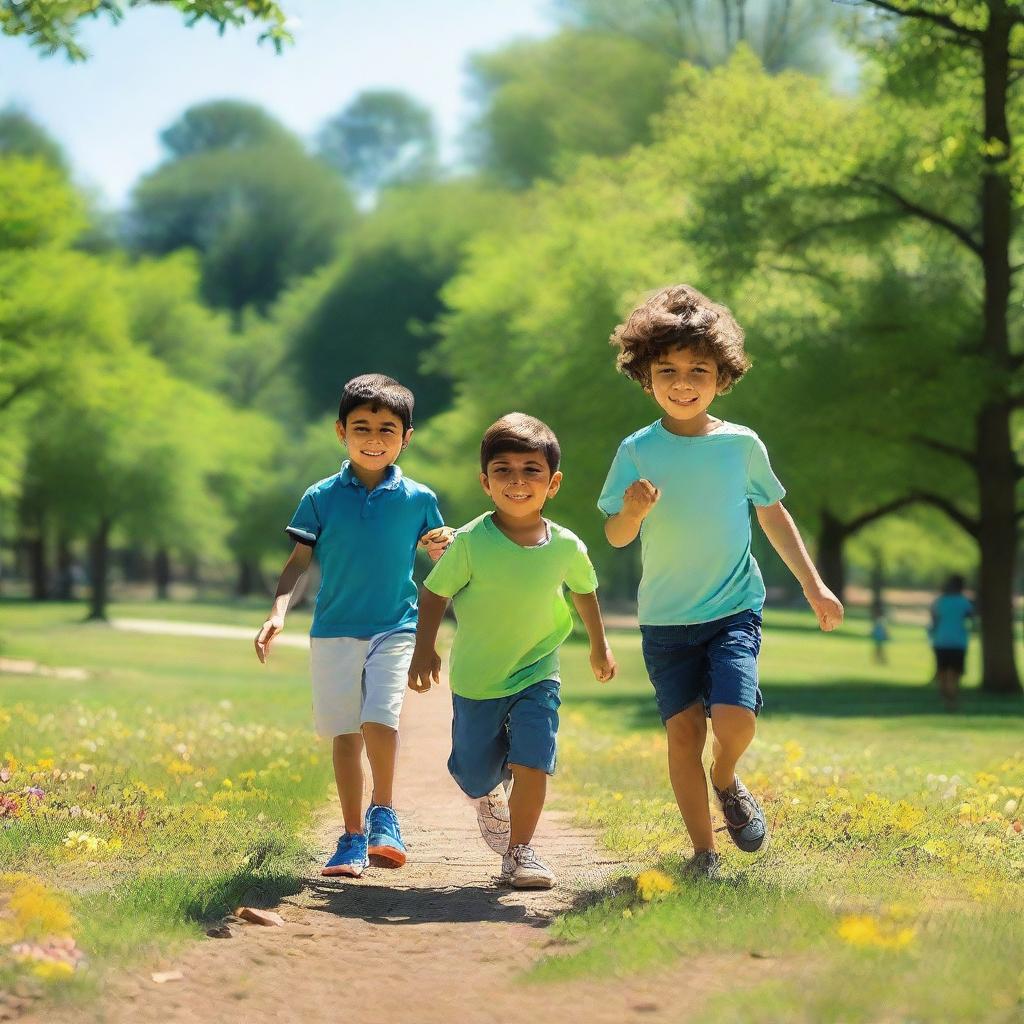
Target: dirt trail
{"type": "Point", "coordinates": [434, 942]}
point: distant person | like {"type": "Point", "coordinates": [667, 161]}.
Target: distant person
{"type": "Point", "coordinates": [364, 523]}
{"type": "Point", "coordinates": [879, 633]}
{"type": "Point", "coordinates": [952, 618]}
{"type": "Point", "coordinates": [506, 572]}
{"type": "Point", "coordinates": [686, 485]}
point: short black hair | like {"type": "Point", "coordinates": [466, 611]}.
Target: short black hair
{"type": "Point", "coordinates": [517, 432]}
{"type": "Point", "coordinates": [376, 391]}
{"type": "Point", "coordinates": [955, 584]}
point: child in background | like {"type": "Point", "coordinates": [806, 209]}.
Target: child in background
{"type": "Point", "coordinates": [952, 618]}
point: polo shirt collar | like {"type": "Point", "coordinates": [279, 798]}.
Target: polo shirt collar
{"type": "Point", "coordinates": [391, 480]}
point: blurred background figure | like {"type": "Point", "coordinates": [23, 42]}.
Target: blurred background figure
{"type": "Point", "coordinates": [952, 619]}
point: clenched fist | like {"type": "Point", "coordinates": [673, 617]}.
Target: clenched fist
{"type": "Point", "coordinates": [640, 497]}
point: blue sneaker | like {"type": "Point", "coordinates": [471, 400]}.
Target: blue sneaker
{"type": "Point", "coordinates": [384, 837]}
{"type": "Point", "coordinates": [350, 858]}
{"type": "Point", "coordinates": [744, 818]}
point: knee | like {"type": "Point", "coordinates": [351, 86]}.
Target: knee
{"type": "Point", "coordinates": [735, 729]}
{"type": "Point", "coordinates": [349, 743]}
{"type": "Point", "coordinates": [687, 734]}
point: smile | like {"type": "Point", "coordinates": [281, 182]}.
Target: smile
{"type": "Point", "coordinates": [517, 497]}
{"type": "Point", "coordinates": [685, 401]}
{"type": "Point", "coordinates": [372, 455]}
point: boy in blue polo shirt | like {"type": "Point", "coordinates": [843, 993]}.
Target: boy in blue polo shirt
{"type": "Point", "coordinates": [686, 484]}
{"type": "Point", "coordinates": [365, 523]}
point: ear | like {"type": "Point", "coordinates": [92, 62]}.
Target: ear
{"type": "Point", "coordinates": [556, 482]}
{"type": "Point", "coordinates": [485, 484]}
{"type": "Point", "coordinates": [406, 439]}
{"type": "Point", "coordinates": [339, 429]}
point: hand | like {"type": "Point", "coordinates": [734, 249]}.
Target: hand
{"type": "Point", "coordinates": [436, 541]}
{"type": "Point", "coordinates": [268, 631]}
{"type": "Point", "coordinates": [424, 670]}
{"type": "Point", "coordinates": [602, 661]}
{"type": "Point", "coordinates": [640, 497]}
{"type": "Point", "coordinates": [826, 606]}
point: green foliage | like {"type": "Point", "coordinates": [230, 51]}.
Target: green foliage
{"type": "Point", "coordinates": [37, 206]}
{"type": "Point", "coordinates": [52, 25]}
{"type": "Point", "coordinates": [261, 213]}
{"type": "Point", "coordinates": [381, 138]}
{"type": "Point", "coordinates": [223, 124]}
{"type": "Point", "coordinates": [546, 103]}
{"type": "Point", "coordinates": [21, 136]}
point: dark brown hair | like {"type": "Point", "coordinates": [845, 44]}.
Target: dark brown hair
{"type": "Point", "coordinates": [517, 432]}
{"type": "Point", "coordinates": [377, 391]}
{"type": "Point", "coordinates": [680, 317]}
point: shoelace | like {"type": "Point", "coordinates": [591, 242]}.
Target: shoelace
{"type": "Point", "coordinates": [745, 802]}
{"type": "Point", "coordinates": [525, 857]}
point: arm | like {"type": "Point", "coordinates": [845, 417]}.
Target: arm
{"type": "Point", "coordinates": [640, 497]}
{"type": "Point", "coordinates": [601, 658]}
{"type": "Point", "coordinates": [425, 667]}
{"type": "Point", "coordinates": [435, 542]}
{"type": "Point", "coordinates": [780, 529]}
{"type": "Point", "coordinates": [294, 569]}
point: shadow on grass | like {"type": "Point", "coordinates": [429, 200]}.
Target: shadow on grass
{"type": "Point", "coordinates": [459, 904]}
{"type": "Point", "coordinates": [853, 699]}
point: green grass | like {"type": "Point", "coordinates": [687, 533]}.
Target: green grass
{"type": "Point", "coordinates": [893, 859]}
{"type": "Point", "coordinates": [178, 780]}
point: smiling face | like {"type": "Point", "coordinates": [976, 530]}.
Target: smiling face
{"type": "Point", "coordinates": [519, 483]}
{"type": "Point", "coordinates": [374, 437]}
{"type": "Point", "coordinates": [684, 384]}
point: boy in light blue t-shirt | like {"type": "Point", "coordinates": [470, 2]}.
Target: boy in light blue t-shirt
{"type": "Point", "coordinates": [685, 484]}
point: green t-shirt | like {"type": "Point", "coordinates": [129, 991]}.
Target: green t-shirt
{"type": "Point", "coordinates": [510, 605]}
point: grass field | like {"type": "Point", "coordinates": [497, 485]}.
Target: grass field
{"type": "Point", "coordinates": [181, 779]}
{"type": "Point", "coordinates": [896, 856]}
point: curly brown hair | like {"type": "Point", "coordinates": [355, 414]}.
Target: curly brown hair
{"type": "Point", "coordinates": [680, 317]}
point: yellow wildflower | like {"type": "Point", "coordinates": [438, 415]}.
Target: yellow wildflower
{"type": "Point", "coordinates": [865, 931]}
{"type": "Point", "coordinates": [653, 884]}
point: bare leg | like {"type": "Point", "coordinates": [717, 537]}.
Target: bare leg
{"type": "Point", "coordinates": [382, 752]}
{"type": "Point", "coordinates": [734, 729]}
{"type": "Point", "coordinates": [687, 733]}
{"type": "Point", "coordinates": [525, 803]}
{"type": "Point", "coordinates": [348, 774]}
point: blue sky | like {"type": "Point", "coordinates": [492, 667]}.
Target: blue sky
{"type": "Point", "coordinates": [144, 72]}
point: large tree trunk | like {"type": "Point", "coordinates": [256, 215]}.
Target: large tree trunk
{"type": "Point", "coordinates": [994, 454]}
{"type": "Point", "coordinates": [99, 557]}
{"type": "Point", "coordinates": [162, 574]}
{"type": "Point", "coordinates": [65, 569]}
{"type": "Point", "coordinates": [35, 546]}
{"type": "Point", "coordinates": [249, 578]}
{"type": "Point", "coordinates": [831, 564]}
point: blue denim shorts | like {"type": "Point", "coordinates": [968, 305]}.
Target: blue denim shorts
{"type": "Point", "coordinates": [489, 735]}
{"type": "Point", "coordinates": [711, 661]}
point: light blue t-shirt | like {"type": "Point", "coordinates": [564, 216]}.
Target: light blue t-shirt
{"type": "Point", "coordinates": [365, 542]}
{"type": "Point", "coordinates": [697, 564]}
{"type": "Point", "coordinates": [950, 613]}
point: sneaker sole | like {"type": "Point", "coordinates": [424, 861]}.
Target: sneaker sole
{"type": "Point", "coordinates": [532, 883]}
{"type": "Point", "coordinates": [343, 871]}
{"type": "Point", "coordinates": [386, 857]}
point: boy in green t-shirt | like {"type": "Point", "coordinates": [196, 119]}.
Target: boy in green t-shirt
{"type": "Point", "coordinates": [505, 572]}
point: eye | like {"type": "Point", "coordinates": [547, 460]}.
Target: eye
{"type": "Point", "coordinates": [699, 369]}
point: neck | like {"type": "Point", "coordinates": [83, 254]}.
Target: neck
{"type": "Point", "coordinates": [529, 527]}
{"type": "Point", "coordinates": [700, 424]}
{"type": "Point", "coordinates": [369, 478]}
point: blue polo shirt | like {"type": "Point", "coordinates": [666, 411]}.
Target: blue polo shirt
{"type": "Point", "coordinates": [695, 542]}
{"type": "Point", "coordinates": [365, 542]}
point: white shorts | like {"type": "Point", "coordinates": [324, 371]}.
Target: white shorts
{"type": "Point", "coordinates": [356, 681]}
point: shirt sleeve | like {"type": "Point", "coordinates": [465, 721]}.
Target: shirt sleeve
{"type": "Point", "coordinates": [432, 517]}
{"type": "Point", "coordinates": [763, 486]}
{"type": "Point", "coordinates": [622, 473]}
{"type": "Point", "coordinates": [305, 525]}
{"type": "Point", "coordinates": [579, 574]}
{"type": "Point", "coordinates": [451, 571]}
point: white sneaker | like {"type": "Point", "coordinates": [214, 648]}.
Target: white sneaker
{"type": "Point", "coordinates": [493, 820]}
{"type": "Point", "coordinates": [523, 869]}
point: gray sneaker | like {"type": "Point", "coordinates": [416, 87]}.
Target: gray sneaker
{"type": "Point", "coordinates": [492, 819]}
{"type": "Point", "coordinates": [523, 869]}
{"type": "Point", "coordinates": [743, 816]}
{"type": "Point", "coordinates": [707, 865]}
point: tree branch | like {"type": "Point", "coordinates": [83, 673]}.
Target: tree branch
{"type": "Point", "coordinates": [921, 13]}
{"type": "Point", "coordinates": [963, 454]}
{"type": "Point", "coordinates": [957, 230]}
{"type": "Point", "coordinates": [966, 523]}
{"type": "Point", "coordinates": [858, 523]}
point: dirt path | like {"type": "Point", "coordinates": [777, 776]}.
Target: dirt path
{"type": "Point", "coordinates": [434, 942]}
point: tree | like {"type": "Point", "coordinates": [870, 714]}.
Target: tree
{"type": "Point", "coordinates": [261, 215]}
{"type": "Point", "coordinates": [223, 124]}
{"type": "Point", "coordinates": [783, 33]}
{"type": "Point", "coordinates": [52, 25]}
{"type": "Point", "coordinates": [382, 137]}
{"type": "Point", "coordinates": [21, 136]}
{"type": "Point", "coordinates": [548, 102]}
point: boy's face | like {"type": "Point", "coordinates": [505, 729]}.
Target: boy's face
{"type": "Point", "coordinates": [519, 483]}
{"type": "Point", "coordinates": [374, 439]}
{"type": "Point", "coordinates": [684, 384]}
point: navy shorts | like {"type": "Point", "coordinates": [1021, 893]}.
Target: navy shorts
{"type": "Point", "coordinates": [489, 735]}
{"type": "Point", "coordinates": [950, 658]}
{"type": "Point", "coordinates": [715, 662]}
